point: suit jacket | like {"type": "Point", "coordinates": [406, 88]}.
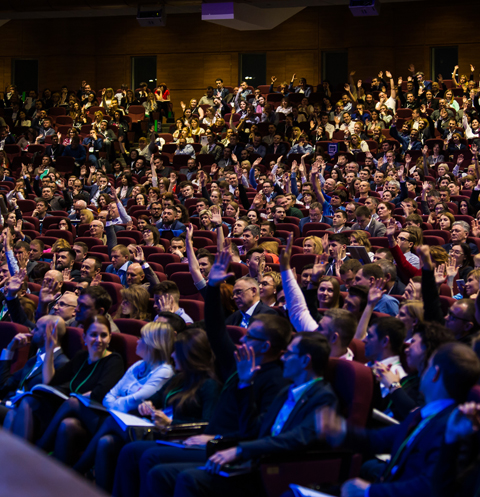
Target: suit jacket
{"type": "Point", "coordinates": [417, 462]}
{"type": "Point", "coordinates": [236, 318]}
{"type": "Point", "coordinates": [123, 275]}
{"type": "Point", "coordinates": [93, 190]}
{"type": "Point", "coordinates": [216, 151]}
{"type": "Point", "coordinates": [305, 220]}
{"type": "Point", "coordinates": [175, 226]}
{"type": "Point", "coordinates": [281, 149]}
{"type": "Point", "coordinates": [297, 433]}
{"type": "Point", "coordinates": [376, 228]}
{"type": "Point", "coordinates": [9, 383]}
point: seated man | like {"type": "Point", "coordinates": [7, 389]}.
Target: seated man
{"type": "Point", "coordinates": [459, 233]}
{"type": "Point", "coordinates": [169, 223]}
{"type": "Point", "coordinates": [65, 260]}
{"type": "Point", "coordinates": [339, 221]}
{"type": "Point", "coordinates": [167, 297]}
{"type": "Point", "coordinates": [416, 442]}
{"type": "Point", "coordinates": [383, 345]}
{"type": "Point", "coordinates": [250, 236]}
{"type": "Point", "coordinates": [283, 429]}
{"type": "Point", "coordinates": [371, 275]}
{"type": "Point", "coordinates": [315, 215]}
{"type": "Point", "coordinates": [120, 263]}
{"type": "Point", "coordinates": [338, 326]}
{"type": "Point", "coordinates": [366, 222]}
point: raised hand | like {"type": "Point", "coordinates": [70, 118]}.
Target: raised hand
{"type": "Point", "coordinates": [19, 340]}
{"type": "Point", "coordinates": [286, 254]}
{"type": "Point", "coordinates": [388, 74]}
{"type": "Point", "coordinates": [472, 68]}
{"type": "Point", "coordinates": [411, 68]}
{"type": "Point", "coordinates": [66, 275]}
{"type": "Point", "coordinates": [376, 292]}
{"type": "Point", "coordinates": [218, 273]}
{"type": "Point", "coordinates": [16, 282]}
{"type": "Point", "coordinates": [216, 215]}
{"type": "Point", "coordinates": [440, 274]}
{"type": "Point", "coordinates": [425, 150]}
{"type": "Point", "coordinates": [189, 232]}
{"type": "Point", "coordinates": [97, 279]}
{"type": "Point", "coordinates": [475, 228]}
{"type": "Point", "coordinates": [22, 259]}
{"type": "Point", "coordinates": [451, 267]}
{"type": "Point", "coordinates": [330, 426]}
{"type": "Point", "coordinates": [246, 367]}
{"type": "Point", "coordinates": [51, 339]}
{"type": "Point", "coordinates": [319, 269]}
{"type": "Point", "coordinates": [49, 291]}
{"type": "Point", "coordinates": [166, 303]}
{"type": "Point", "coordinates": [423, 252]}
{"type": "Point", "coordinates": [391, 228]}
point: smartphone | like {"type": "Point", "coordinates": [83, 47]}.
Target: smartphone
{"type": "Point", "coordinates": [460, 285]}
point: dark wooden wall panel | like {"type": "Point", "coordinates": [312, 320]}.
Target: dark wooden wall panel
{"type": "Point", "coordinates": [191, 53]}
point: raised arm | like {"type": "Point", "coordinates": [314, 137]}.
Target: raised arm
{"type": "Point", "coordinates": [193, 265]}
{"type": "Point", "coordinates": [393, 93]}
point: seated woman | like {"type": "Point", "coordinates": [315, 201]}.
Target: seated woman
{"type": "Point", "coordinates": [232, 209]}
{"type": "Point", "coordinates": [472, 284]}
{"type": "Point", "coordinates": [75, 422]}
{"type": "Point", "coordinates": [124, 191]}
{"type": "Point", "coordinates": [86, 216]}
{"type": "Point", "coordinates": [411, 315]}
{"type": "Point", "coordinates": [328, 293]}
{"type": "Point", "coordinates": [141, 199]}
{"type": "Point", "coordinates": [254, 216]}
{"type": "Point", "coordinates": [142, 222]}
{"type": "Point", "coordinates": [206, 220]}
{"type": "Point", "coordinates": [461, 255]}
{"type": "Point", "coordinates": [312, 245]}
{"type": "Point", "coordinates": [151, 235]}
{"type": "Point", "coordinates": [134, 304]}
{"type": "Point", "coordinates": [270, 284]}
{"type": "Point", "coordinates": [65, 224]}
{"type": "Point", "coordinates": [359, 238]}
{"type": "Point", "coordinates": [190, 396]}
{"type": "Point", "coordinates": [385, 213]}
{"type": "Point", "coordinates": [181, 214]}
{"type": "Point", "coordinates": [271, 249]}
{"type": "Point", "coordinates": [91, 373]}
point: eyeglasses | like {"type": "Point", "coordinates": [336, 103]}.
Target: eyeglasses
{"type": "Point", "coordinates": [237, 293]}
{"type": "Point", "coordinates": [450, 315]}
{"type": "Point", "coordinates": [251, 337]}
{"type": "Point", "coordinates": [63, 304]}
{"type": "Point", "coordinates": [402, 239]}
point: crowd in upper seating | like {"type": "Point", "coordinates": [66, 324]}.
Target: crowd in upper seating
{"type": "Point", "coordinates": [290, 268]}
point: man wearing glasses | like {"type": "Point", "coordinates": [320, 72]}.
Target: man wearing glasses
{"type": "Point", "coordinates": [246, 295]}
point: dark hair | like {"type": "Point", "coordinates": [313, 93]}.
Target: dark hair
{"type": "Point", "coordinates": [193, 352]}
{"type": "Point", "coordinates": [155, 232]}
{"type": "Point", "coordinates": [97, 319]}
{"type": "Point", "coordinates": [340, 238]}
{"type": "Point", "coordinates": [433, 335]}
{"type": "Point", "coordinates": [350, 265]}
{"type": "Point", "coordinates": [387, 252]}
{"type": "Point", "coordinates": [460, 368]}
{"type": "Point", "coordinates": [361, 292]}
{"type": "Point", "coordinates": [205, 253]}
{"type": "Point", "coordinates": [317, 347]}
{"type": "Point", "coordinates": [277, 329]}
{"type": "Point", "coordinates": [100, 297]}
{"type": "Point", "coordinates": [174, 320]}
{"type": "Point", "coordinates": [392, 328]}
{"type": "Point", "coordinates": [372, 270]}
{"type": "Point", "coordinates": [344, 323]}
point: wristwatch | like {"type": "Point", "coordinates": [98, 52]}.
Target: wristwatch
{"type": "Point", "coordinates": [394, 386]}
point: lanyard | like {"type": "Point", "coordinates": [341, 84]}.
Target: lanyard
{"type": "Point", "coordinates": [170, 394]}
{"type": "Point", "coordinates": [87, 378]}
{"type": "Point", "coordinates": [229, 380]}
{"type": "Point", "coordinates": [402, 447]}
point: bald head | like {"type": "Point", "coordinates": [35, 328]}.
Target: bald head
{"type": "Point", "coordinates": [135, 274]}
{"type": "Point", "coordinates": [53, 275]}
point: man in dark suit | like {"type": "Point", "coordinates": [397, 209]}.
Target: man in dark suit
{"type": "Point", "coordinates": [31, 374]}
{"type": "Point", "coordinates": [415, 443]}
{"type": "Point", "coordinates": [315, 215]}
{"type": "Point", "coordinates": [168, 222]}
{"type": "Point", "coordinates": [287, 426]}
{"type": "Point", "coordinates": [54, 150]}
{"type": "Point", "coordinates": [365, 222]}
{"type": "Point", "coordinates": [268, 336]}
{"type": "Point", "coordinates": [246, 295]}
{"type": "Point", "coordinates": [277, 147]}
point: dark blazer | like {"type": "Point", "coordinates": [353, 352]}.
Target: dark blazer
{"type": "Point", "coordinates": [176, 225]}
{"type": "Point", "coordinates": [305, 220]}
{"type": "Point", "coordinates": [417, 462]}
{"type": "Point", "coordinates": [376, 228]}
{"type": "Point", "coordinates": [281, 149]}
{"type": "Point", "coordinates": [298, 431]}
{"type": "Point", "coordinates": [56, 152]}
{"type": "Point", "coordinates": [93, 190]}
{"type": "Point", "coordinates": [236, 318]}
{"type": "Point", "coordinates": [9, 383]}
{"type": "Point", "coordinates": [269, 381]}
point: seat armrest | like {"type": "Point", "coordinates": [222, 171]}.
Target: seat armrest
{"type": "Point", "coordinates": [184, 430]}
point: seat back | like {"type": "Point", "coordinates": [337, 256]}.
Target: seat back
{"type": "Point", "coordinates": [130, 326]}
{"type": "Point", "coordinates": [194, 308]}
{"type": "Point", "coordinates": [126, 346]}
{"type": "Point", "coordinates": [187, 288]}
{"type": "Point", "coordinates": [73, 341]}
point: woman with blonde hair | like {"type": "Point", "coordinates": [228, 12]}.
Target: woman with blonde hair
{"type": "Point", "coordinates": [411, 314]}
{"type": "Point", "coordinates": [60, 244]}
{"type": "Point", "coordinates": [86, 216]}
{"type": "Point", "coordinates": [187, 134]}
{"type": "Point", "coordinates": [312, 245]}
{"type": "Point", "coordinates": [270, 284]}
{"type": "Point", "coordinates": [360, 238]}
{"type": "Point", "coordinates": [107, 96]}
{"type": "Point", "coordinates": [205, 217]}
{"type": "Point", "coordinates": [134, 304]}
{"type": "Point", "coordinates": [271, 249]}
{"type": "Point", "coordinates": [97, 120]}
